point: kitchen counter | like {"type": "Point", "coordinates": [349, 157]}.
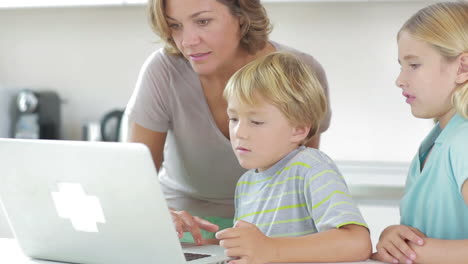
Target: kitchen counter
{"type": "Point", "coordinates": [12, 254]}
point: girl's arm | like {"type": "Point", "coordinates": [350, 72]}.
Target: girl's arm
{"type": "Point", "coordinates": [246, 242]}
{"type": "Point", "coordinates": [393, 245]}
{"type": "Point", "coordinates": [443, 251]}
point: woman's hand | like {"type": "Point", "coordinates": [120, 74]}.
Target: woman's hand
{"type": "Point", "coordinates": [185, 222]}
{"type": "Point", "coordinates": [393, 244]}
{"type": "Point", "coordinates": [246, 243]}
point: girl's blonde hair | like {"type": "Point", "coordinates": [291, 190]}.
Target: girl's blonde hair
{"type": "Point", "coordinates": [444, 26]}
{"type": "Point", "coordinates": [283, 80]}
{"type": "Point", "coordinates": [255, 24]}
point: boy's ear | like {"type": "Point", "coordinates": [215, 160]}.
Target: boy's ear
{"type": "Point", "coordinates": [462, 74]}
{"type": "Point", "coordinates": [300, 132]}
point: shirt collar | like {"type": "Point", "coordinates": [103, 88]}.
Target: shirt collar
{"type": "Point", "coordinates": [438, 135]}
{"type": "Point", "coordinates": [280, 164]}
{"type": "Point", "coordinates": [450, 128]}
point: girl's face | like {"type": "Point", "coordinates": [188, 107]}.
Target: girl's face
{"type": "Point", "coordinates": [426, 78]}
{"type": "Point", "coordinates": [206, 33]}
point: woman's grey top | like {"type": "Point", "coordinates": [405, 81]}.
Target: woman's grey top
{"type": "Point", "coordinates": [199, 170]}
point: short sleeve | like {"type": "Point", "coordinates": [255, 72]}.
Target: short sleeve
{"type": "Point", "coordinates": [149, 104]}
{"type": "Point", "coordinates": [330, 202]}
{"type": "Point", "coordinates": [459, 158]}
{"type": "Point", "coordinates": [317, 68]}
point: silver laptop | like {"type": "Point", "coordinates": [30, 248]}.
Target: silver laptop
{"type": "Point", "coordinates": [90, 202]}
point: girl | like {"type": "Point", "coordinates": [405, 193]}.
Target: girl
{"type": "Point", "coordinates": [433, 53]}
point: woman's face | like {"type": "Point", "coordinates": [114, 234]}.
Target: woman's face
{"type": "Point", "coordinates": [206, 33]}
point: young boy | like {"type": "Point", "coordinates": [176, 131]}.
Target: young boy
{"type": "Point", "coordinates": [292, 205]}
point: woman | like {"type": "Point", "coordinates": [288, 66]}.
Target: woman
{"type": "Point", "coordinates": [178, 111]}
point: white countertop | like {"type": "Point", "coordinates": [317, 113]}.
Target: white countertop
{"type": "Point", "coordinates": [12, 254]}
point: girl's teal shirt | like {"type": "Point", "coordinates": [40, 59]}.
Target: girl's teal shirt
{"type": "Point", "coordinates": [433, 202]}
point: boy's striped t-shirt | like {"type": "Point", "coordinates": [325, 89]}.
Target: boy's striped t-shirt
{"type": "Point", "coordinates": [304, 193]}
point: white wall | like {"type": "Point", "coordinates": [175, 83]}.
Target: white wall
{"type": "Point", "coordinates": [356, 45]}
{"type": "Point", "coordinates": [4, 108]}
{"type": "Point", "coordinates": [92, 56]}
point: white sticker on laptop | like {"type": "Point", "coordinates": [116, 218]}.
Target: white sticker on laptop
{"type": "Point", "coordinates": [84, 211]}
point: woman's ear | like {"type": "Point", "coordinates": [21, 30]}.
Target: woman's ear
{"type": "Point", "coordinates": [462, 74]}
{"type": "Point", "coordinates": [299, 133]}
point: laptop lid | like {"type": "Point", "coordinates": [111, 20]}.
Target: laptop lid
{"type": "Point", "coordinates": [89, 202]}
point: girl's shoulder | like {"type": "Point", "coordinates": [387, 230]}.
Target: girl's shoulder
{"type": "Point", "coordinates": [460, 135]}
{"type": "Point", "coordinates": [457, 142]}
{"type": "Point", "coordinates": [459, 129]}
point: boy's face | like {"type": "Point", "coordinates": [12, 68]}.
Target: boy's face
{"type": "Point", "coordinates": [261, 135]}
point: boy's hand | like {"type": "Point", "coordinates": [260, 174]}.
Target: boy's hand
{"type": "Point", "coordinates": [246, 243]}
{"type": "Point", "coordinates": [393, 244]}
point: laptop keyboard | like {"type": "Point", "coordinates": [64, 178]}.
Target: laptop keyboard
{"type": "Point", "coordinates": [194, 256]}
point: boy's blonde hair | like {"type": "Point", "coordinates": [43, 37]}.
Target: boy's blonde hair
{"type": "Point", "coordinates": [283, 80]}
{"type": "Point", "coordinates": [444, 26]}
{"type": "Point", "coordinates": [255, 24]}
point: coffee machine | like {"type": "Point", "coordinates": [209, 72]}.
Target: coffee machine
{"type": "Point", "coordinates": [36, 115]}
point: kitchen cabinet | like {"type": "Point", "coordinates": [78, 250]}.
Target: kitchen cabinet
{"type": "Point", "coordinates": [77, 3]}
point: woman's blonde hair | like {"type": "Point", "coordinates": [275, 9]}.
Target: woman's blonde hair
{"type": "Point", "coordinates": [286, 82]}
{"type": "Point", "coordinates": [444, 26]}
{"type": "Point", "coordinates": [255, 25]}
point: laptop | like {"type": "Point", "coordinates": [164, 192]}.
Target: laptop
{"type": "Point", "coordinates": [91, 202]}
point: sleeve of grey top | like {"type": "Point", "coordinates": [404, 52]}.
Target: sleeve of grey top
{"type": "Point", "coordinates": [149, 104]}
{"type": "Point", "coordinates": [317, 68]}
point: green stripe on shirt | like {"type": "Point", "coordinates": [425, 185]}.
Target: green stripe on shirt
{"type": "Point", "coordinates": [273, 197]}
{"type": "Point", "coordinates": [251, 183]}
{"type": "Point", "coordinates": [286, 221]}
{"type": "Point", "coordinates": [328, 198]}
{"type": "Point", "coordinates": [328, 184]}
{"type": "Point", "coordinates": [331, 206]}
{"type": "Point", "coordinates": [320, 174]}
{"type": "Point", "coordinates": [292, 165]}
{"type": "Point", "coordinates": [271, 185]}
{"type": "Point", "coordinates": [344, 213]}
{"type": "Point", "coordinates": [272, 210]}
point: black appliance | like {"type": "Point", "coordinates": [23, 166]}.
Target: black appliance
{"type": "Point", "coordinates": [111, 124]}
{"type": "Point", "coordinates": [36, 115]}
